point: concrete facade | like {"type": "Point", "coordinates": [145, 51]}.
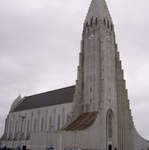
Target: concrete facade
{"type": "Point", "coordinates": [99, 118]}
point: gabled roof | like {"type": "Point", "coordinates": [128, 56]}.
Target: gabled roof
{"type": "Point", "coordinates": [56, 97]}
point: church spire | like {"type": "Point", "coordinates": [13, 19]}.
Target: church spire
{"type": "Point", "coordinates": [98, 9]}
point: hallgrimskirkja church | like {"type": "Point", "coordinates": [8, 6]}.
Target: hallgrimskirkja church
{"type": "Point", "coordinates": [94, 114]}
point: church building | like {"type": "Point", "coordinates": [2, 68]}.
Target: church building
{"type": "Point", "coordinates": [94, 114]}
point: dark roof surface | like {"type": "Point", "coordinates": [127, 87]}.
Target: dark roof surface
{"type": "Point", "coordinates": [56, 97]}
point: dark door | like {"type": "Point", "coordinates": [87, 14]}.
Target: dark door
{"type": "Point", "coordinates": [110, 147]}
{"type": "Point", "coordinates": [24, 147]}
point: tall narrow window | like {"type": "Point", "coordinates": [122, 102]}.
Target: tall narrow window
{"type": "Point", "coordinates": [63, 117]}
{"type": "Point", "coordinates": [58, 122]}
{"type": "Point", "coordinates": [87, 24]}
{"type": "Point", "coordinates": [96, 21]}
{"type": "Point", "coordinates": [24, 125]}
{"type": "Point", "coordinates": [35, 125]}
{"type": "Point", "coordinates": [6, 126]}
{"type": "Point", "coordinates": [109, 124]}
{"type": "Point", "coordinates": [108, 24]}
{"type": "Point", "coordinates": [42, 124]}
{"type": "Point", "coordinates": [28, 126]}
{"type": "Point", "coordinates": [91, 100]}
{"type": "Point", "coordinates": [91, 21]}
{"type": "Point", "coordinates": [112, 27]}
{"type": "Point", "coordinates": [10, 128]}
{"type": "Point", "coordinates": [50, 123]}
{"type": "Point", "coordinates": [16, 127]}
{"type": "Point", "coordinates": [104, 21]}
{"type": "Point", "coordinates": [90, 89]}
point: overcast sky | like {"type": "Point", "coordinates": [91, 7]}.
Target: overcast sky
{"type": "Point", "coordinates": [40, 43]}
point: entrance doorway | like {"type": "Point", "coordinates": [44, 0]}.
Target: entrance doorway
{"type": "Point", "coordinates": [109, 147]}
{"type": "Point", "coordinates": [24, 147]}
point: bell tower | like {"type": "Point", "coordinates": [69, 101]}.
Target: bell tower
{"type": "Point", "coordinates": [96, 84]}
{"type": "Point", "coordinates": [100, 87]}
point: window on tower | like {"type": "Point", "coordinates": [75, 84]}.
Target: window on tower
{"type": "Point", "coordinates": [87, 24]}
{"type": "Point", "coordinates": [108, 24]}
{"type": "Point", "coordinates": [109, 124]}
{"type": "Point", "coordinates": [90, 89]}
{"type": "Point", "coordinates": [96, 21]}
{"type": "Point", "coordinates": [91, 21]}
{"type": "Point", "coordinates": [104, 21]}
{"type": "Point", "coordinates": [91, 100]}
{"type": "Point", "coordinates": [111, 27]}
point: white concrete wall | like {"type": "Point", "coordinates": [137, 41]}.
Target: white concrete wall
{"type": "Point", "coordinates": [18, 122]}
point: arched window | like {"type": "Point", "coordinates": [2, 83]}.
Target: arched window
{"type": "Point", "coordinates": [109, 124]}
{"type": "Point", "coordinates": [42, 124]}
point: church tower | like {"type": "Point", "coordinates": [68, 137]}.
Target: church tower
{"type": "Point", "coordinates": [96, 84]}
{"type": "Point", "coordinates": [100, 87]}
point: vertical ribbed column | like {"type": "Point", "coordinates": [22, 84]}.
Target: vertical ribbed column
{"type": "Point", "coordinates": [124, 113]}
